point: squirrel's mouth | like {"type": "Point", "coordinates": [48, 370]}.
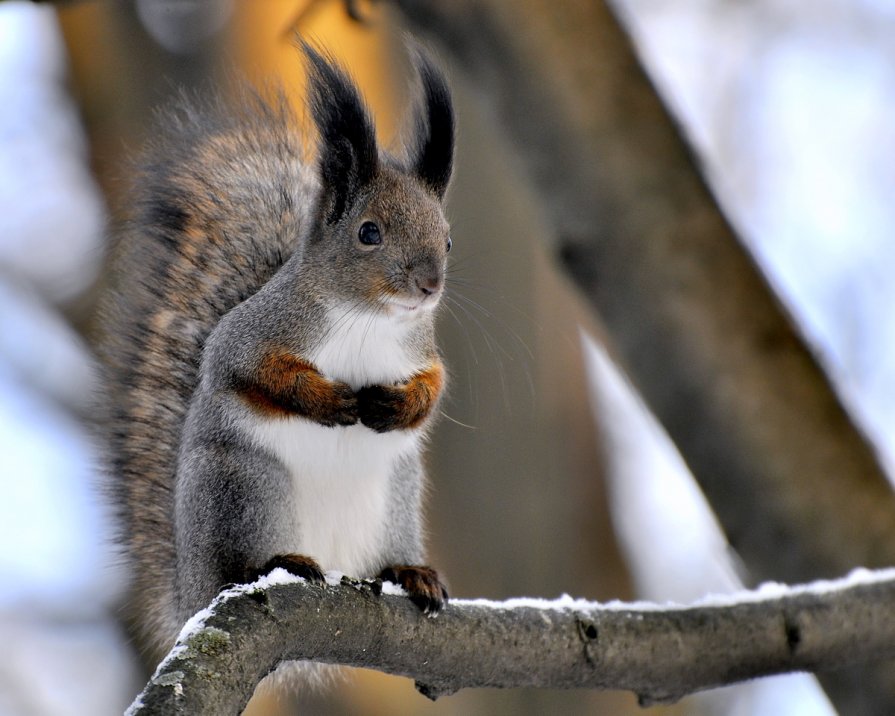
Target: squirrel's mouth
{"type": "Point", "coordinates": [403, 306]}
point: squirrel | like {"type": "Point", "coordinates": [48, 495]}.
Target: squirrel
{"type": "Point", "coordinates": [269, 347]}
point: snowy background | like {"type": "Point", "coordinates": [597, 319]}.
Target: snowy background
{"type": "Point", "coordinates": [790, 104]}
{"type": "Point", "coordinates": [61, 654]}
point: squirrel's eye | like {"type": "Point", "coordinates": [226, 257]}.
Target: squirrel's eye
{"type": "Point", "coordinates": [450, 243]}
{"type": "Point", "coordinates": [369, 234]}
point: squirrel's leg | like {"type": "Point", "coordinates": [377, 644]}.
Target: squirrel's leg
{"type": "Point", "coordinates": [231, 514]}
{"type": "Point", "coordinates": [404, 406]}
{"type": "Point", "coordinates": [283, 384]}
{"type": "Point", "coordinates": [403, 554]}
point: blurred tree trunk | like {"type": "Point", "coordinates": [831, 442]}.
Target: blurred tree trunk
{"type": "Point", "coordinates": [797, 488]}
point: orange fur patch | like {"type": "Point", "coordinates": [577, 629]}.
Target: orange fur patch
{"type": "Point", "coordinates": [286, 385]}
{"type": "Point", "coordinates": [421, 393]}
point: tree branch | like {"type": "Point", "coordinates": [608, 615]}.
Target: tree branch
{"type": "Point", "coordinates": [659, 653]}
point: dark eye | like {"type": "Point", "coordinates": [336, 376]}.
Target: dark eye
{"type": "Point", "coordinates": [369, 234]}
{"type": "Point", "coordinates": [450, 243]}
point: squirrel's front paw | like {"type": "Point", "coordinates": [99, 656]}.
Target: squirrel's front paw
{"type": "Point", "coordinates": [381, 407]}
{"type": "Point", "coordinates": [342, 408]}
{"type": "Point", "coordinates": [402, 406]}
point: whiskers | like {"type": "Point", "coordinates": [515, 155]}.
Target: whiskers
{"type": "Point", "coordinates": [502, 342]}
{"type": "Point", "coordinates": [455, 421]}
{"type": "Point", "coordinates": [362, 329]}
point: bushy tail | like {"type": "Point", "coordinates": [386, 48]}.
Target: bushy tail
{"type": "Point", "coordinates": [218, 204]}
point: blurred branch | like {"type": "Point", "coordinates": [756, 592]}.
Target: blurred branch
{"type": "Point", "coordinates": [695, 324]}
{"type": "Point", "coordinates": [305, 9]}
{"type": "Point", "coordinates": [797, 488]}
{"type": "Point", "coordinates": [661, 654]}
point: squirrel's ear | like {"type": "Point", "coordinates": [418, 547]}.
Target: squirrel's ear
{"type": "Point", "coordinates": [432, 156]}
{"type": "Point", "coordinates": [348, 157]}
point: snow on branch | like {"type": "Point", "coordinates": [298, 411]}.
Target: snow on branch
{"type": "Point", "coordinates": [659, 652]}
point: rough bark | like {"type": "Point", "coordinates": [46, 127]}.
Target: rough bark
{"type": "Point", "coordinates": [797, 488]}
{"type": "Point", "coordinates": [661, 654]}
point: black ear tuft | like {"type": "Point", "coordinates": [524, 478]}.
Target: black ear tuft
{"type": "Point", "coordinates": [348, 155]}
{"type": "Point", "coordinates": [433, 155]}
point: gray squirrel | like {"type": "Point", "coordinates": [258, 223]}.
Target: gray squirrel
{"type": "Point", "coordinates": [269, 348]}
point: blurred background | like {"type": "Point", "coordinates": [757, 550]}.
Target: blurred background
{"type": "Point", "coordinates": [787, 103]}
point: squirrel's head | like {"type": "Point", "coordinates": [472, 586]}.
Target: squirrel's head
{"type": "Point", "coordinates": [380, 219]}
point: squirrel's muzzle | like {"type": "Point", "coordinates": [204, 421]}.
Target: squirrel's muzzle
{"type": "Point", "coordinates": [427, 279]}
{"type": "Point", "coordinates": [430, 284]}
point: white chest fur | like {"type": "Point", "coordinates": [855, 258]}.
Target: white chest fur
{"type": "Point", "coordinates": [363, 348]}
{"type": "Point", "coordinates": [341, 476]}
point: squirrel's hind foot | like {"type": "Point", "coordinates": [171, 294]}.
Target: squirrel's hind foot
{"type": "Point", "coordinates": [296, 564]}
{"type": "Point", "coordinates": [422, 584]}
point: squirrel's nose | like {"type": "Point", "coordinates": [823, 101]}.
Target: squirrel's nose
{"type": "Point", "coordinates": [429, 285]}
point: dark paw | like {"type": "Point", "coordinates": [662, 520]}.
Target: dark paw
{"type": "Point", "coordinates": [421, 584]}
{"type": "Point", "coordinates": [296, 564]}
{"type": "Point", "coordinates": [381, 407]}
{"type": "Point", "coordinates": [344, 408]}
